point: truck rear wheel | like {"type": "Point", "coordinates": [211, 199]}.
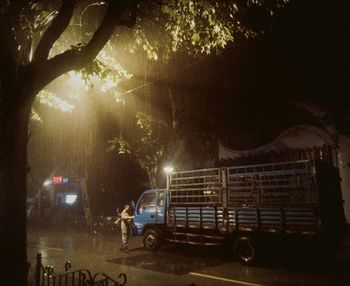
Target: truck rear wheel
{"type": "Point", "coordinates": [151, 240]}
{"type": "Point", "coordinates": [245, 250]}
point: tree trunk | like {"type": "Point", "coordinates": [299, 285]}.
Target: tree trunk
{"type": "Point", "coordinates": [86, 172]}
{"type": "Point", "coordinates": [86, 203]}
{"type": "Point", "coordinates": [152, 177]}
{"type": "Point", "coordinates": [13, 190]}
{"type": "Point", "coordinates": [174, 110]}
{"type": "Point", "coordinates": [18, 86]}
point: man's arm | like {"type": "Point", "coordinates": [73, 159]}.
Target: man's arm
{"type": "Point", "coordinates": [125, 215]}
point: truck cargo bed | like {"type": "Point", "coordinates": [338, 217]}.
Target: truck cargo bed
{"type": "Point", "coordinates": [224, 221]}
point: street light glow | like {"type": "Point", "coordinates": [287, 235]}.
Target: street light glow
{"type": "Point", "coordinates": [168, 169]}
{"type": "Point", "coordinates": [47, 183]}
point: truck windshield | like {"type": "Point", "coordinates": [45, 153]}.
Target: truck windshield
{"type": "Point", "coordinates": [147, 202]}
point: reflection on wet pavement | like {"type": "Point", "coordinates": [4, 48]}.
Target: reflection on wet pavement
{"type": "Point", "coordinates": [174, 263]}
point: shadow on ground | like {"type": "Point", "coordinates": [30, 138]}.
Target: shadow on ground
{"type": "Point", "coordinates": [175, 259]}
{"type": "Point", "coordinates": [182, 259]}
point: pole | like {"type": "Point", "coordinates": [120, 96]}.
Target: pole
{"type": "Point", "coordinates": [167, 181]}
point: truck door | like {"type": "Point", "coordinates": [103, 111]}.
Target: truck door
{"type": "Point", "coordinates": [146, 209]}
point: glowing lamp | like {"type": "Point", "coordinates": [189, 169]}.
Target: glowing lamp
{"type": "Point", "coordinates": [168, 169]}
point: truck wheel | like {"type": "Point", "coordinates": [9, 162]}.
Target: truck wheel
{"type": "Point", "coordinates": [245, 250]}
{"type": "Point", "coordinates": [151, 240]}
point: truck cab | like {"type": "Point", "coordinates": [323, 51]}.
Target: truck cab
{"type": "Point", "coordinates": [150, 210]}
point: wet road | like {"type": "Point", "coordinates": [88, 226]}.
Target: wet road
{"type": "Point", "coordinates": [176, 265]}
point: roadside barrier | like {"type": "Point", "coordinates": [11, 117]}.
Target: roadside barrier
{"type": "Point", "coordinates": [45, 276]}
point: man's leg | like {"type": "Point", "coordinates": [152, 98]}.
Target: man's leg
{"type": "Point", "coordinates": [124, 231]}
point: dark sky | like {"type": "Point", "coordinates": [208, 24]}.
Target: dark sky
{"type": "Point", "coordinates": [304, 57]}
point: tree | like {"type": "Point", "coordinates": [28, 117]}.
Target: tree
{"type": "Point", "coordinates": [146, 144]}
{"type": "Point", "coordinates": [21, 79]}
{"type": "Point", "coordinates": [30, 30]}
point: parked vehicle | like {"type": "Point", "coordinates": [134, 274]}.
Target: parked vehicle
{"type": "Point", "coordinates": [105, 225]}
{"type": "Point", "coordinates": [245, 207]}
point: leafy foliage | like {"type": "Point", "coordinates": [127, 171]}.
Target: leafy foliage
{"type": "Point", "coordinates": [35, 116]}
{"type": "Point", "coordinates": [205, 25]}
{"type": "Point", "coordinates": [52, 100]}
{"type": "Point", "coordinates": [162, 29]}
{"type": "Point", "coordinates": [104, 71]}
{"type": "Point", "coordinates": [197, 27]}
{"type": "Point", "coordinates": [147, 145]}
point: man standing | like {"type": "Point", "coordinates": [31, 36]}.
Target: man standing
{"type": "Point", "coordinates": [125, 226]}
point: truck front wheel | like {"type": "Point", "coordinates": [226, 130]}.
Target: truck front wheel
{"type": "Point", "coordinates": [245, 250]}
{"type": "Point", "coordinates": [151, 240]}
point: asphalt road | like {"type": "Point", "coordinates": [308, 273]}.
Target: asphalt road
{"type": "Point", "coordinates": [179, 265]}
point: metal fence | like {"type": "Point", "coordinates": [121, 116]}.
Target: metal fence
{"type": "Point", "coordinates": [45, 276]}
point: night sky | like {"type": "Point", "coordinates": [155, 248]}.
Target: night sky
{"type": "Point", "coordinates": [304, 57]}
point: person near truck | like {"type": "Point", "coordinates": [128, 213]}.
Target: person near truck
{"type": "Point", "coordinates": [126, 222]}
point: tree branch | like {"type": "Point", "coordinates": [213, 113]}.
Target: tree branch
{"type": "Point", "coordinates": [112, 18]}
{"type": "Point", "coordinates": [77, 58]}
{"type": "Point", "coordinates": [57, 27]}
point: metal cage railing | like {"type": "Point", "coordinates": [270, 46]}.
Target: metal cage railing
{"type": "Point", "coordinates": [45, 276]}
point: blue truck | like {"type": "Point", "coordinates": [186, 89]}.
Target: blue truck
{"type": "Point", "coordinates": [244, 207]}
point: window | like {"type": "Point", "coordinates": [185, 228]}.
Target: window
{"type": "Point", "coordinates": [146, 203]}
{"type": "Point", "coordinates": [161, 199]}
{"type": "Point", "coordinates": [70, 199]}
